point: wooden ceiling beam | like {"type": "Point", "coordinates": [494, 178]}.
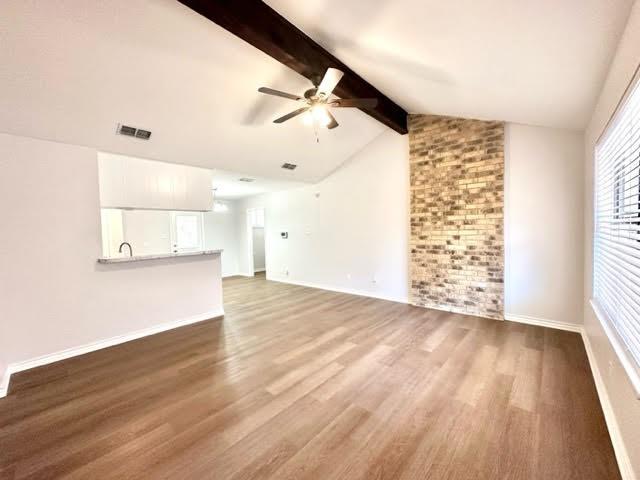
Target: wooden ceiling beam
{"type": "Point", "coordinates": [261, 26]}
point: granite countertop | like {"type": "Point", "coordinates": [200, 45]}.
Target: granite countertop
{"type": "Point", "coordinates": [140, 258]}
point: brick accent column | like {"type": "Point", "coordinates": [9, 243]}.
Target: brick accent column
{"type": "Point", "coordinates": [457, 199]}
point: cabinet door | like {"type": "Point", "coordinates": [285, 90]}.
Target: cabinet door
{"type": "Point", "coordinates": [111, 180]}
{"type": "Point", "coordinates": [127, 182]}
{"type": "Point", "coordinates": [179, 179]}
{"type": "Point", "coordinates": [138, 183]}
{"type": "Point", "coordinates": [200, 189]}
{"type": "Point", "coordinates": [163, 193]}
{"type": "Point", "coordinates": [148, 184]}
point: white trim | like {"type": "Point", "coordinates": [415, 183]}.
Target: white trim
{"type": "Point", "coordinates": [92, 347]}
{"type": "Point", "coordinates": [544, 322]}
{"type": "Point", "coordinates": [621, 352]}
{"type": "Point", "coordinates": [455, 309]}
{"type": "Point", "coordinates": [257, 270]}
{"type": "Point", "coordinates": [622, 457]}
{"type": "Point", "coordinates": [234, 274]}
{"type": "Point", "coordinates": [350, 291]}
{"type": "Point", "coordinates": [624, 463]}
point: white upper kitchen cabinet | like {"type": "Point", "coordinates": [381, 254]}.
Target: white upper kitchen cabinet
{"type": "Point", "coordinates": [128, 182]}
{"type": "Point", "coordinates": [199, 189]}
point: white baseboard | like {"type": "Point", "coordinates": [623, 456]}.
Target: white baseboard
{"type": "Point", "coordinates": [350, 291]}
{"type": "Point", "coordinates": [244, 274]}
{"type": "Point", "coordinates": [624, 463]}
{"type": "Point", "coordinates": [622, 457]}
{"type": "Point", "coordinates": [544, 322]}
{"type": "Point", "coordinates": [92, 347]}
{"type": "Point", "coordinates": [258, 270]}
{"type": "Point", "coordinates": [453, 309]}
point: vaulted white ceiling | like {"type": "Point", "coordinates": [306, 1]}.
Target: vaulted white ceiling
{"type": "Point", "coordinates": [229, 186]}
{"type": "Point", "coordinates": [539, 62]}
{"type": "Point", "coordinates": [71, 70]}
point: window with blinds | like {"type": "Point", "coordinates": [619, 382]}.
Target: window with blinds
{"type": "Point", "coordinates": [616, 269]}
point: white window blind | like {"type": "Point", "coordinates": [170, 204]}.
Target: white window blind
{"type": "Point", "coordinates": [616, 268]}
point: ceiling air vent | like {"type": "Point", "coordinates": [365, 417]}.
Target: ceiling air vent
{"type": "Point", "coordinates": [289, 166]}
{"type": "Point", "coordinates": [124, 130]}
{"type": "Point", "coordinates": [143, 134]}
{"type": "Point", "coordinates": [133, 132]}
{"type": "Point", "coordinates": [245, 179]}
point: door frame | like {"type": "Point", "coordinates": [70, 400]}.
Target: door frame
{"type": "Point", "coordinates": [249, 224]}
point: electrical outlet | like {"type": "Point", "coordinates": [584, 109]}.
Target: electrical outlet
{"type": "Point", "coordinates": [374, 279]}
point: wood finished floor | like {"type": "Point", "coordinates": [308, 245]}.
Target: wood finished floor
{"type": "Point", "coordinates": [298, 383]}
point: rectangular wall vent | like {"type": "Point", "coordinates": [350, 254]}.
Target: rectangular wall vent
{"type": "Point", "coordinates": [245, 179]}
{"type": "Point", "coordinates": [289, 166]}
{"type": "Point", "coordinates": [133, 132]}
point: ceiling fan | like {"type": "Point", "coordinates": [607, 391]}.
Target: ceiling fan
{"type": "Point", "coordinates": [318, 102]}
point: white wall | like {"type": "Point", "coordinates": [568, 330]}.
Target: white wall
{"type": "Point", "coordinates": [221, 232]}
{"type": "Point", "coordinates": [625, 405]}
{"type": "Point", "coordinates": [358, 225]}
{"type": "Point", "coordinates": [348, 229]}
{"type": "Point", "coordinates": [543, 223]}
{"type": "Point", "coordinates": [53, 294]}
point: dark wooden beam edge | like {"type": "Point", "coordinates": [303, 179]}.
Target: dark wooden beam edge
{"type": "Point", "coordinates": [261, 26]}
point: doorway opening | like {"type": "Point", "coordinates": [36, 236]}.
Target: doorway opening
{"type": "Point", "coordinates": [256, 237]}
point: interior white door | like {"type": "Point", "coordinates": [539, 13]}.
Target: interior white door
{"type": "Point", "coordinates": [186, 232]}
{"type": "Point", "coordinates": [258, 249]}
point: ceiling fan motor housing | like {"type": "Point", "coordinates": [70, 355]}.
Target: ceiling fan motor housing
{"type": "Point", "coordinates": [311, 93]}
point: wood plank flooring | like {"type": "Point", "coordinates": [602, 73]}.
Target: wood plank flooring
{"type": "Point", "coordinates": [298, 383]}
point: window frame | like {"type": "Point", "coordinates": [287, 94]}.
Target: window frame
{"type": "Point", "coordinates": [621, 213]}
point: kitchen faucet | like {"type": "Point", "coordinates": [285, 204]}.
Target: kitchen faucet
{"type": "Point", "coordinates": [128, 245]}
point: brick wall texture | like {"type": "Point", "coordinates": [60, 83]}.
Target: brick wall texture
{"type": "Point", "coordinates": [457, 199]}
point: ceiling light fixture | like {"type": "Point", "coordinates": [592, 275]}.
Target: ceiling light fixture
{"type": "Point", "coordinates": [321, 115]}
{"type": "Point", "coordinates": [317, 115]}
{"type": "Point", "coordinates": [318, 101]}
{"type": "Point", "coordinates": [220, 207]}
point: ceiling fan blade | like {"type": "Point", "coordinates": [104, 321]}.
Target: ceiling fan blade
{"type": "Point", "coordinates": [329, 82]}
{"type": "Point", "coordinates": [290, 115]}
{"type": "Point", "coordinates": [355, 102]}
{"type": "Point", "coordinates": [278, 93]}
{"type": "Point", "coordinates": [333, 123]}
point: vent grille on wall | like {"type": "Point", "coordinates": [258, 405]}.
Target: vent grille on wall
{"type": "Point", "coordinates": [133, 132]}
{"type": "Point", "coordinates": [289, 166]}
{"type": "Point", "coordinates": [246, 179]}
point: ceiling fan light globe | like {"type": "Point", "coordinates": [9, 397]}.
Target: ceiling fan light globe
{"type": "Point", "coordinates": [307, 118]}
{"type": "Point", "coordinates": [320, 115]}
